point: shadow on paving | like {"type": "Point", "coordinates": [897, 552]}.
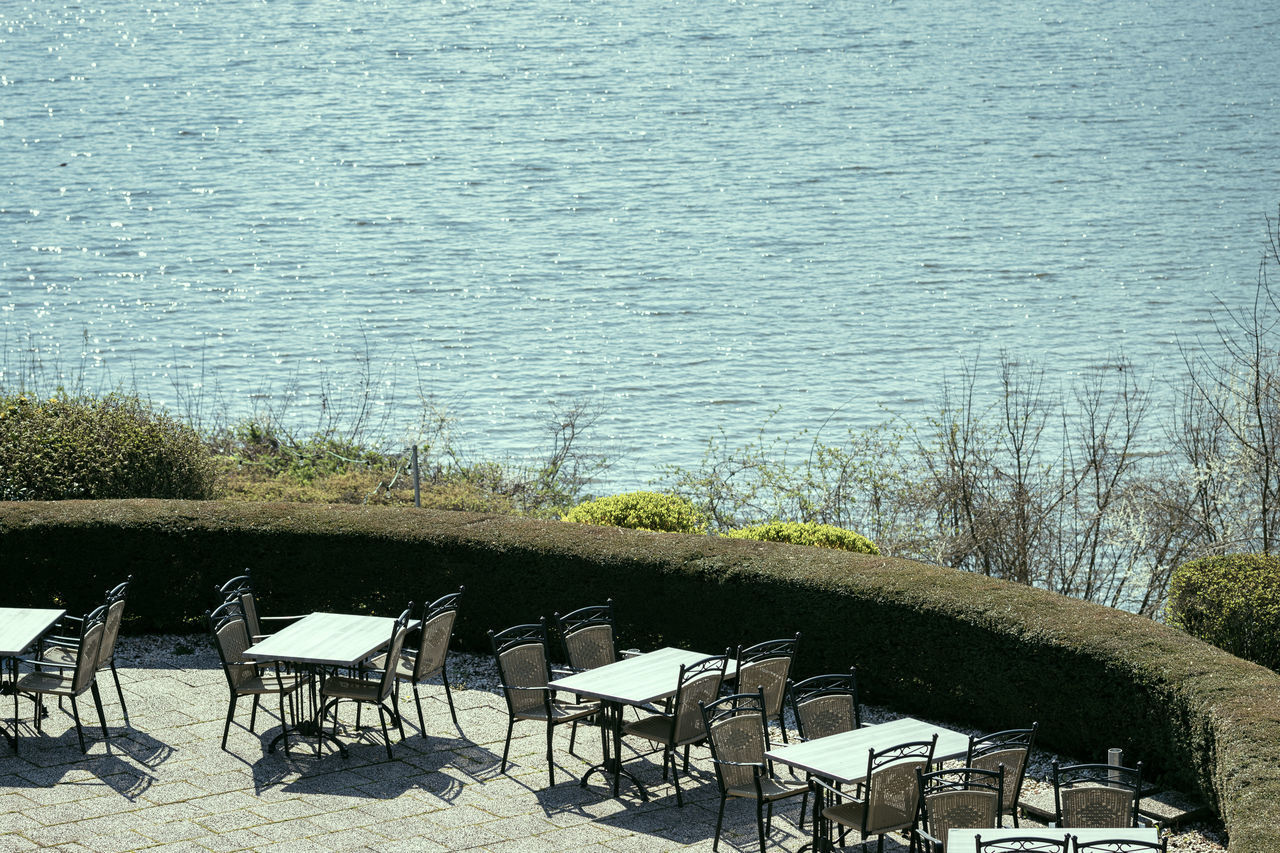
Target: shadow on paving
{"type": "Point", "coordinates": [123, 764]}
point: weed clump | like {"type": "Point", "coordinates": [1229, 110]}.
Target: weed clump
{"type": "Point", "coordinates": [641, 511]}
{"type": "Point", "coordinates": [807, 533]}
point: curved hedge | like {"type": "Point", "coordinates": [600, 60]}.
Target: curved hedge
{"type": "Point", "coordinates": [927, 640]}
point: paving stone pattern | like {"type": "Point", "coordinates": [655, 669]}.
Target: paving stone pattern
{"type": "Point", "coordinates": [164, 784]}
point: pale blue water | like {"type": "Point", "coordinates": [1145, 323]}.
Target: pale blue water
{"type": "Point", "coordinates": [693, 212]}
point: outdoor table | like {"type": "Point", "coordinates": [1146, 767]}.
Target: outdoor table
{"type": "Point", "coordinates": [843, 757]}
{"type": "Point", "coordinates": [320, 642]}
{"type": "Point", "coordinates": [20, 627]}
{"type": "Point", "coordinates": [639, 680]}
{"type": "Point", "coordinates": [962, 840]}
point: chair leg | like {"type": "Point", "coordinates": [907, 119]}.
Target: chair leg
{"type": "Point", "coordinates": [506, 747]}
{"type": "Point", "coordinates": [720, 822]}
{"type": "Point", "coordinates": [675, 779]}
{"type": "Point", "coordinates": [417, 700]}
{"type": "Point", "coordinates": [231, 710]}
{"type": "Point", "coordinates": [75, 712]}
{"type": "Point", "coordinates": [253, 715]}
{"type": "Point", "coordinates": [102, 719]}
{"type": "Point", "coordinates": [116, 677]}
{"type": "Point", "coordinates": [448, 695]}
{"type": "Point", "coordinates": [551, 765]}
{"type": "Point", "coordinates": [284, 724]}
{"type": "Point", "coordinates": [386, 737]}
{"type": "Point", "coordinates": [760, 823]}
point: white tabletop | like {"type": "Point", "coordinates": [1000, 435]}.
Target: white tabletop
{"type": "Point", "coordinates": [961, 840]}
{"type": "Point", "coordinates": [327, 639]}
{"type": "Point", "coordinates": [637, 680]}
{"type": "Point", "coordinates": [843, 756]}
{"type": "Point", "coordinates": [22, 626]}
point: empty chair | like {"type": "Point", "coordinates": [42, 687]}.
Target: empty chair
{"type": "Point", "coordinates": [587, 636]}
{"type": "Point", "coordinates": [524, 670]}
{"type": "Point", "coordinates": [1096, 795]}
{"type": "Point", "coordinates": [431, 658]}
{"type": "Point", "coordinates": [956, 798]}
{"type": "Point", "coordinates": [1012, 748]}
{"type": "Point", "coordinates": [697, 683]}
{"type": "Point", "coordinates": [1023, 844]}
{"type": "Point", "coordinates": [63, 650]}
{"type": "Point", "coordinates": [1119, 845]}
{"type": "Point", "coordinates": [245, 677]}
{"type": "Point", "coordinates": [240, 589]}
{"type": "Point", "coordinates": [72, 678]}
{"type": "Point", "coordinates": [379, 691]}
{"type": "Point", "coordinates": [768, 665]}
{"type": "Point", "coordinates": [887, 800]}
{"type": "Point", "coordinates": [738, 734]}
{"type": "Point", "coordinates": [826, 704]}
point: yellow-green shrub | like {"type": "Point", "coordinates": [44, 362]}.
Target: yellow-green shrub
{"type": "Point", "coordinates": [641, 511]}
{"type": "Point", "coordinates": [807, 533]}
{"type": "Point", "coordinates": [1231, 601]}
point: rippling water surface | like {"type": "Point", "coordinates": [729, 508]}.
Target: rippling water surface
{"type": "Point", "coordinates": [692, 212]}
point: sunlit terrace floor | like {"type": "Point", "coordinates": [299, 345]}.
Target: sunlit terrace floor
{"type": "Point", "coordinates": [165, 783]}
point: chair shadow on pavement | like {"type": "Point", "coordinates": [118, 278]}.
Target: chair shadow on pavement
{"type": "Point", "coordinates": [123, 763]}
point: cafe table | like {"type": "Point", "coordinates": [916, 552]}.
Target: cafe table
{"type": "Point", "coordinates": [962, 840]}
{"type": "Point", "coordinates": [320, 642]}
{"type": "Point", "coordinates": [639, 680]}
{"type": "Point", "coordinates": [20, 627]}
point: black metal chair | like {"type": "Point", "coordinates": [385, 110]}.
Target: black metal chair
{"type": "Point", "coordinates": [887, 800]}
{"type": "Point", "coordinates": [1022, 844]}
{"type": "Point", "coordinates": [432, 655]}
{"type": "Point", "coordinates": [955, 798]}
{"type": "Point", "coordinates": [826, 704]}
{"type": "Point", "coordinates": [63, 648]}
{"type": "Point", "coordinates": [381, 692]}
{"type": "Point", "coordinates": [587, 636]}
{"type": "Point", "coordinates": [1096, 795]}
{"type": "Point", "coordinates": [738, 734]}
{"type": "Point", "coordinates": [768, 665]}
{"type": "Point", "coordinates": [1011, 748]}
{"type": "Point", "coordinates": [1119, 845]}
{"type": "Point", "coordinates": [245, 677]}
{"type": "Point", "coordinates": [240, 589]}
{"type": "Point", "coordinates": [524, 670]}
{"type": "Point", "coordinates": [697, 683]}
{"type": "Point", "coordinates": [72, 678]}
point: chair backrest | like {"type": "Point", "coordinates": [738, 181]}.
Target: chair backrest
{"type": "Point", "coordinates": [111, 625]}
{"type": "Point", "coordinates": [959, 798]}
{"type": "Point", "coordinates": [767, 665]}
{"type": "Point", "coordinates": [521, 653]}
{"type": "Point", "coordinates": [1120, 845]}
{"type": "Point", "coordinates": [698, 682]}
{"type": "Point", "coordinates": [231, 636]}
{"type": "Point", "coordinates": [739, 737]}
{"type": "Point", "coordinates": [587, 636]}
{"type": "Point", "coordinates": [240, 589]}
{"type": "Point", "coordinates": [438, 619]}
{"type": "Point", "coordinates": [86, 666]}
{"type": "Point", "coordinates": [398, 633]}
{"type": "Point", "coordinates": [1012, 748]}
{"type": "Point", "coordinates": [1096, 795]}
{"type": "Point", "coordinates": [826, 704]}
{"type": "Point", "coordinates": [891, 793]}
{"type": "Point", "coordinates": [1022, 844]}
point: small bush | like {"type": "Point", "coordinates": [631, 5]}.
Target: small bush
{"type": "Point", "coordinates": [116, 446]}
{"type": "Point", "coordinates": [641, 511]}
{"type": "Point", "coordinates": [1233, 602]}
{"type": "Point", "coordinates": [807, 533]}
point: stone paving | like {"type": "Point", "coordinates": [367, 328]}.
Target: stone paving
{"type": "Point", "coordinates": [165, 784]}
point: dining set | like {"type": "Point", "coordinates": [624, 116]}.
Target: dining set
{"type": "Point", "coordinates": [771, 739]}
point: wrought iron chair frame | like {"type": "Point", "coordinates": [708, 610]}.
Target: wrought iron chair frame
{"type": "Point", "coordinates": [415, 666]}
{"type": "Point", "coordinates": [1100, 777]}
{"type": "Point", "coordinates": [925, 837]}
{"type": "Point", "coordinates": [760, 654]}
{"type": "Point", "coordinates": [336, 688]}
{"type": "Point", "coordinates": [83, 676]}
{"type": "Point", "coordinates": [1022, 844]}
{"type": "Point", "coordinates": [986, 749]}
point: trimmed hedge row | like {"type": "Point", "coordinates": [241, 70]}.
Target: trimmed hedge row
{"type": "Point", "coordinates": [926, 640]}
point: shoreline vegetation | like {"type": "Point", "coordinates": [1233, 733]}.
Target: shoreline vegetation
{"type": "Point", "coordinates": [1067, 487]}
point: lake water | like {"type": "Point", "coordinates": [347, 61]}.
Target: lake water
{"type": "Point", "coordinates": [690, 212]}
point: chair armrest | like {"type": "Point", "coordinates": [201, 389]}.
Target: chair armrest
{"type": "Point", "coordinates": [44, 664]}
{"type": "Point", "coordinates": [280, 618]}
{"type": "Point", "coordinates": [932, 845]}
{"type": "Point", "coordinates": [544, 689]}
{"type": "Point", "coordinates": [819, 786]}
{"type": "Point", "coordinates": [629, 653]}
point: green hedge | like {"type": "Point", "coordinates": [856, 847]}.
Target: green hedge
{"type": "Point", "coordinates": [1232, 601]}
{"type": "Point", "coordinates": [926, 640]}
{"type": "Point", "coordinates": [806, 533]}
{"type": "Point", "coordinates": [641, 511]}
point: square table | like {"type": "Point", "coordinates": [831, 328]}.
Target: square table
{"type": "Point", "coordinates": [20, 627]}
{"type": "Point", "coordinates": [639, 680]}
{"type": "Point", "coordinates": [961, 840]}
{"type": "Point", "coordinates": [325, 640]}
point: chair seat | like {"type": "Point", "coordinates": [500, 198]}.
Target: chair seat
{"type": "Point", "coordinates": [560, 711]}
{"type": "Point", "coordinates": [656, 728]}
{"type": "Point", "coordinates": [48, 681]}
{"type": "Point", "coordinates": [404, 668]}
{"type": "Point", "coordinates": [850, 814]}
{"type": "Point", "coordinates": [59, 654]}
{"type": "Point", "coordinates": [771, 788]}
{"type": "Point", "coordinates": [268, 683]}
{"type": "Point", "coordinates": [343, 687]}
